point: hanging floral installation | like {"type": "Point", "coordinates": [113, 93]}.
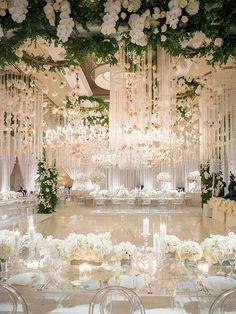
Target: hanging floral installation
{"type": "Point", "coordinates": [47, 195]}
{"type": "Point", "coordinates": [185, 27]}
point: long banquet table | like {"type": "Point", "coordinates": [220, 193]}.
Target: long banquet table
{"type": "Point", "coordinates": [174, 288]}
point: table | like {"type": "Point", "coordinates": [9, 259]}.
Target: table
{"type": "Point", "coordinates": [171, 291]}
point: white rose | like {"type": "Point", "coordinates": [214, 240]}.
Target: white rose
{"type": "Point", "coordinates": [163, 38]}
{"type": "Point", "coordinates": [184, 19]}
{"type": "Point", "coordinates": [164, 28]}
{"type": "Point", "coordinates": [218, 42]}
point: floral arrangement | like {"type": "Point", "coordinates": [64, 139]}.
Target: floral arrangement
{"type": "Point", "coordinates": [97, 178]}
{"type": "Point", "coordinates": [124, 250]}
{"type": "Point", "coordinates": [103, 193]}
{"type": "Point", "coordinates": [185, 27]}
{"type": "Point", "coordinates": [47, 195]}
{"type": "Point", "coordinates": [207, 182]}
{"type": "Point", "coordinates": [218, 247]}
{"type": "Point", "coordinates": [90, 247]}
{"type": "Point", "coordinates": [225, 206]}
{"type": "Point", "coordinates": [172, 243]}
{"type": "Point", "coordinates": [163, 177]}
{"type": "Point", "coordinates": [7, 244]}
{"type": "Point", "coordinates": [193, 177]}
{"type": "Point", "coordinates": [190, 250]}
{"type": "Point", "coordinates": [123, 192]}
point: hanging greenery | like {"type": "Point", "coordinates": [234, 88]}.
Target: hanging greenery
{"type": "Point", "coordinates": [47, 195]}
{"type": "Point", "coordinates": [97, 113]}
{"type": "Point", "coordinates": [188, 28]}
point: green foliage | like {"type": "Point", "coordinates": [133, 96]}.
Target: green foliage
{"type": "Point", "coordinates": [101, 107]}
{"type": "Point", "coordinates": [215, 18]}
{"type": "Point", "coordinates": [209, 179]}
{"type": "Point", "coordinates": [47, 196]}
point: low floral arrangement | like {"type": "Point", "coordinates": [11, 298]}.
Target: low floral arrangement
{"type": "Point", "coordinates": [190, 250]}
{"type": "Point", "coordinates": [90, 247]}
{"type": "Point", "coordinates": [7, 244]}
{"type": "Point", "coordinates": [172, 243]}
{"type": "Point", "coordinates": [10, 195]}
{"type": "Point", "coordinates": [123, 192]}
{"type": "Point", "coordinates": [225, 206]}
{"type": "Point", "coordinates": [219, 247]}
{"type": "Point", "coordinates": [103, 193]}
{"type": "Point", "coordinates": [124, 250]}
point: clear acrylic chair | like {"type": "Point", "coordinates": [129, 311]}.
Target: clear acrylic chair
{"type": "Point", "coordinates": [116, 300]}
{"type": "Point", "coordinates": [10, 299]}
{"type": "Point", "coordinates": [100, 202]}
{"type": "Point", "coordinates": [130, 202]}
{"type": "Point", "coordinates": [224, 303]}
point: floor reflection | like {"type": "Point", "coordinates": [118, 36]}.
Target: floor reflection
{"type": "Point", "coordinates": [126, 225]}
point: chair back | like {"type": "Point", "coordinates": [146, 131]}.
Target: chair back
{"type": "Point", "coordinates": [116, 300]}
{"type": "Point", "coordinates": [221, 300]}
{"type": "Point", "coordinates": [14, 297]}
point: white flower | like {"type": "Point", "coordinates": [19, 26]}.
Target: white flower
{"type": "Point", "coordinates": [163, 38]}
{"type": "Point", "coordinates": [218, 42]}
{"type": "Point", "coordinates": [192, 7]}
{"type": "Point", "coordinates": [190, 250]}
{"type": "Point", "coordinates": [172, 243]}
{"type": "Point", "coordinates": [18, 10]}
{"type": "Point", "coordinates": [164, 28]}
{"type": "Point", "coordinates": [123, 15]}
{"type": "Point", "coordinates": [1, 32]}
{"type": "Point", "coordinates": [184, 19]}
{"type": "Point", "coordinates": [183, 3]}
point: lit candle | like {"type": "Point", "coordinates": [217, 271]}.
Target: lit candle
{"type": "Point", "coordinates": [17, 239]}
{"type": "Point", "coordinates": [145, 226]}
{"type": "Point", "coordinates": [156, 242]}
{"type": "Point", "coordinates": [162, 234]}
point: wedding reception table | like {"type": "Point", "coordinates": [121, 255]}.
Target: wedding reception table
{"type": "Point", "coordinates": [174, 288]}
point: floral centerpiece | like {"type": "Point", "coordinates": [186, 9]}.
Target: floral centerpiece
{"type": "Point", "coordinates": [123, 192]}
{"type": "Point", "coordinates": [103, 193]}
{"type": "Point", "coordinates": [217, 246]}
{"type": "Point", "coordinates": [124, 250]}
{"type": "Point", "coordinates": [190, 250]}
{"type": "Point", "coordinates": [172, 243]}
{"type": "Point", "coordinates": [7, 244]}
{"type": "Point", "coordinates": [91, 248]}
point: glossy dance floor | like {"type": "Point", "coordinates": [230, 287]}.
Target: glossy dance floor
{"type": "Point", "coordinates": [126, 224]}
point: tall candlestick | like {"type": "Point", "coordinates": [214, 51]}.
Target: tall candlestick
{"type": "Point", "coordinates": [162, 235]}
{"type": "Point", "coordinates": [156, 243]}
{"type": "Point", "coordinates": [145, 226]}
{"type": "Point", "coordinates": [17, 240]}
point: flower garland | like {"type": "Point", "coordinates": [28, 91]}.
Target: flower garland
{"type": "Point", "coordinates": [47, 195]}
{"type": "Point", "coordinates": [95, 113]}
{"type": "Point", "coordinates": [182, 27]}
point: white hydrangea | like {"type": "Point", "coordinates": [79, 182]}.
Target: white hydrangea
{"type": "Point", "coordinates": [18, 10]}
{"type": "Point", "coordinates": [172, 243]}
{"type": "Point", "coordinates": [131, 5]}
{"type": "Point", "coordinates": [112, 9]}
{"type": "Point", "coordinates": [7, 244]}
{"type": "Point", "coordinates": [192, 7]}
{"type": "Point", "coordinates": [66, 24]}
{"type": "Point", "coordinates": [197, 41]}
